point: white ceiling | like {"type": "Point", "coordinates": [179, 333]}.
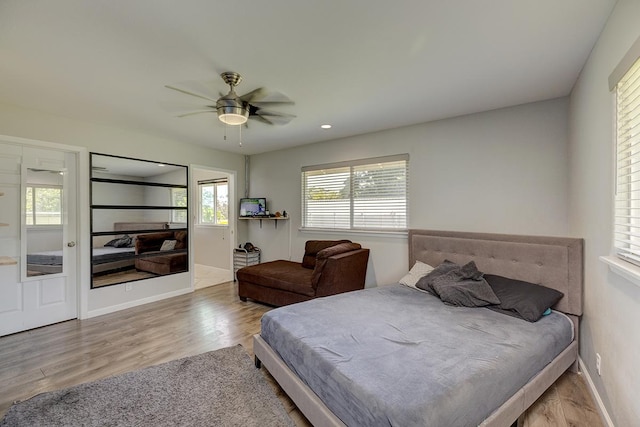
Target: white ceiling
{"type": "Point", "coordinates": [361, 66]}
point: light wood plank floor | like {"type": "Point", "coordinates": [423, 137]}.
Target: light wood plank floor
{"type": "Point", "coordinates": [74, 352]}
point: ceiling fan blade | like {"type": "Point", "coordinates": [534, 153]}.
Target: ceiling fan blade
{"type": "Point", "coordinates": [261, 104]}
{"type": "Point", "coordinates": [261, 119]}
{"type": "Point", "coordinates": [274, 117]}
{"type": "Point", "coordinates": [191, 113]}
{"type": "Point", "coordinates": [190, 92]}
{"type": "Point", "coordinates": [273, 97]}
{"type": "Point", "coordinates": [254, 94]}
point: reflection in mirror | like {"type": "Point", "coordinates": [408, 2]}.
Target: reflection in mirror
{"type": "Point", "coordinates": [138, 219]}
{"type": "Point", "coordinates": [44, 221]}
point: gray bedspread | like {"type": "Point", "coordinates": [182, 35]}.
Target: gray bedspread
{"type": "Point", "coordinates": [394, 356]}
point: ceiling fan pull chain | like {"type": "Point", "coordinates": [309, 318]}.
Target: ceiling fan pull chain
{"type": "Point", "coordinates": [240, 135]}
{"type": "Point", "coordinates": [225, 131]}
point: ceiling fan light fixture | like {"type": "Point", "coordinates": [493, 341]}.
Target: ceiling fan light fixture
{"type": "Point", "coordinates": [233, 116]}
{"type": "Point", "coordinates": [231, 110]}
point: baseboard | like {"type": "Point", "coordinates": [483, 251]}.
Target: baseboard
{"type": "Point", "coordinates": [603, 411]}
{"type": "Point", "coordinates": [129, 304]}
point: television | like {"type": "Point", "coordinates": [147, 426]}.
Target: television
{"type": "Point", "coordinates": [256, 206]}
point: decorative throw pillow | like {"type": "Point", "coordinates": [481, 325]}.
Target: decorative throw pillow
{"type": "Point", "coordinates": [418, 270]}
{"type": "Point", "coordinates": [168, 245]}
{"type": "Point", "coordinates": [426, 281]}
{"type": "Point", "coordinates": [521, 299]}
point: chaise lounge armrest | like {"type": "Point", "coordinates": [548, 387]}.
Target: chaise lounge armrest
{"type": "Point", "coordinates": [343, 272]}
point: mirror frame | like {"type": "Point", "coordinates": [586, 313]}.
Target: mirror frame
{"type": "Point", "coordinates": [142, 230]}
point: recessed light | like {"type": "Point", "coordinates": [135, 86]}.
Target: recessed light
{"type": "Point", "coordinates": [325, 126]}
{"type": "Point", "coordinates": [161, 165]}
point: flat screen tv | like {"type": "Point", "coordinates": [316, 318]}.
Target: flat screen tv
{"type": "Point", "coordinates": [253, 206]}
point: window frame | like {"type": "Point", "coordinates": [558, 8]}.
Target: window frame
{"type": "Point", "coordinates": [215, 183]}
{"type": "Point", "coordinates": [175, 213]}
{"type": "Point", "coordinates": [352, 167]}
{"type": "Point", "coordinates": [33, 206]}
{"type": "Point", "coordinates": [625, 84]}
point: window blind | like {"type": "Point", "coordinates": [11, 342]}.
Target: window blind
{"type": "Point", "coordinates": [627, 201]}
{"type": "Point", "coordinates": [367, 194]}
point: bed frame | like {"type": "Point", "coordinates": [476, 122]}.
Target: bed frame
{"type": "Point", "coordinates": [554, 262]}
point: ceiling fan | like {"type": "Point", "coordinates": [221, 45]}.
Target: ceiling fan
{"type": "Point", "coordinates": [236, 110]}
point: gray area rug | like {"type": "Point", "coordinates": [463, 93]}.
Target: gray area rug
{"type": "Point", "coordinates": [218, 388]}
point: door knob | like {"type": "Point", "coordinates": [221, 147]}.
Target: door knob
{"type": "Point", "coordinates": [71, 244]}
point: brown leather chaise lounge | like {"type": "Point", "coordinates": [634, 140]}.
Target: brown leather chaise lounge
{"type": "Point", "coordinates": [161, 262]}
{"type": "Point", "coordinates": [329, 267]}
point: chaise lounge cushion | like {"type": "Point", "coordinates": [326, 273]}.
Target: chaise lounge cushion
{"type": "Point", "coordinates": [285, 275]}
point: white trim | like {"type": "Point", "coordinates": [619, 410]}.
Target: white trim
{"type": "Point", "coordinates": [82, 213]}
{"type": "Point", "coordinates": [135, 303]}
{"type": "Point", "coordinates": [594, 393]}
{"type": "Point", "coordinates": [625, 64]}
{"type": "Point", "coordinates": [194, 200]}
{"type": "Point", "coordinates": [623, 268]}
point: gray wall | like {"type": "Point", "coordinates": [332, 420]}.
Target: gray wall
{"type": "Point", "coordinates": [612, 304]}
{"type": "Point", "coordinates": [501, 171]}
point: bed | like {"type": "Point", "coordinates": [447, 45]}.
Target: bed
{"type": "Point", "coordinates": [419, 373]}
{"type": "Point", "coordinates": [104, 259]}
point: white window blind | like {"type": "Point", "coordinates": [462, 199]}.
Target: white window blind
{"type": "Point", "coordinates": [368, 194]}
{"type": "Point", "coordinates": [627, 202]}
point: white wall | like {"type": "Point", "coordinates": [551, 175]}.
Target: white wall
{"type": "Point", "coordinates": [501, 171]}
{"type": "Point", "coordinates": [612, 304]}
{"type": "Point", "coordinates": [25, 123]}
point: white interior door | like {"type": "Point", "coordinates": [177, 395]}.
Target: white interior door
{"type": "Point", "coordinates": [45, 289]}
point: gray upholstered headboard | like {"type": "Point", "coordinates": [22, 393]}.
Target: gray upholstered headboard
{"type": "Point", "coordinates": [554, 262]}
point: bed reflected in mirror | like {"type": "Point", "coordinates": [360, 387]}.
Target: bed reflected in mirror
{"type": "Point", "coordinates": [138, 219]}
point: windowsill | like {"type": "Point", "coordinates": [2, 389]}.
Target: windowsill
{"type": "Point", "coordinates": [212, 225]}
{"type": "Point", "coordinates": [400, 234]}
{"type": "Point", "coordinates": [623, 268]}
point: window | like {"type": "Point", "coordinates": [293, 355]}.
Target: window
{"type": "Point", "coordinates": [368, 194]}
{"type": "Point", "coordinates": [214, 202]}
{"type": "Point", "coordinates": [179, 198]}
{"type": "Point", "coordinates": [43, 205]}
{"type": "Point", "coordinates": [627, 201]}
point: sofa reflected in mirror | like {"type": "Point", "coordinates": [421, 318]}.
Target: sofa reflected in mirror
{"type": "Point", "coordinates": [138, 219]}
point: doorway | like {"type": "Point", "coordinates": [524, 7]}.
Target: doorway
{"type": "Point", "coordinates": [213, 221]}
{"type": "Point", "coordinates": [39, 211]}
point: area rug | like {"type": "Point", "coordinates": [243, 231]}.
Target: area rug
{"type": "Point", "coordinates": [218, 388]}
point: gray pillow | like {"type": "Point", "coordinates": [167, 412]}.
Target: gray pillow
{"type": "Point", "coordinates": [426, 282]}
{"type": "Point", "coordinates": [521, 299]}
{"type": "Point", "coordinates": [454, 290]}
{"type": "Point", "coordinates": [120, 242]}
{"type": "Point", "coordinates": [461, 286]}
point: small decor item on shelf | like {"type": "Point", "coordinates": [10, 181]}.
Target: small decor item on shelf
{"type": "Point", "coordinates": [278, 214]}
{"type": "Point", "coordinates": [284, 214]}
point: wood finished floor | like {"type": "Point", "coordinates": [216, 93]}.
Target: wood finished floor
{"type": "Point", "coordinates": [74, 352]}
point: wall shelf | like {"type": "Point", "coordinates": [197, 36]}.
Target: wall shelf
{"type": "Point", "coordinates": [266, 218]}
